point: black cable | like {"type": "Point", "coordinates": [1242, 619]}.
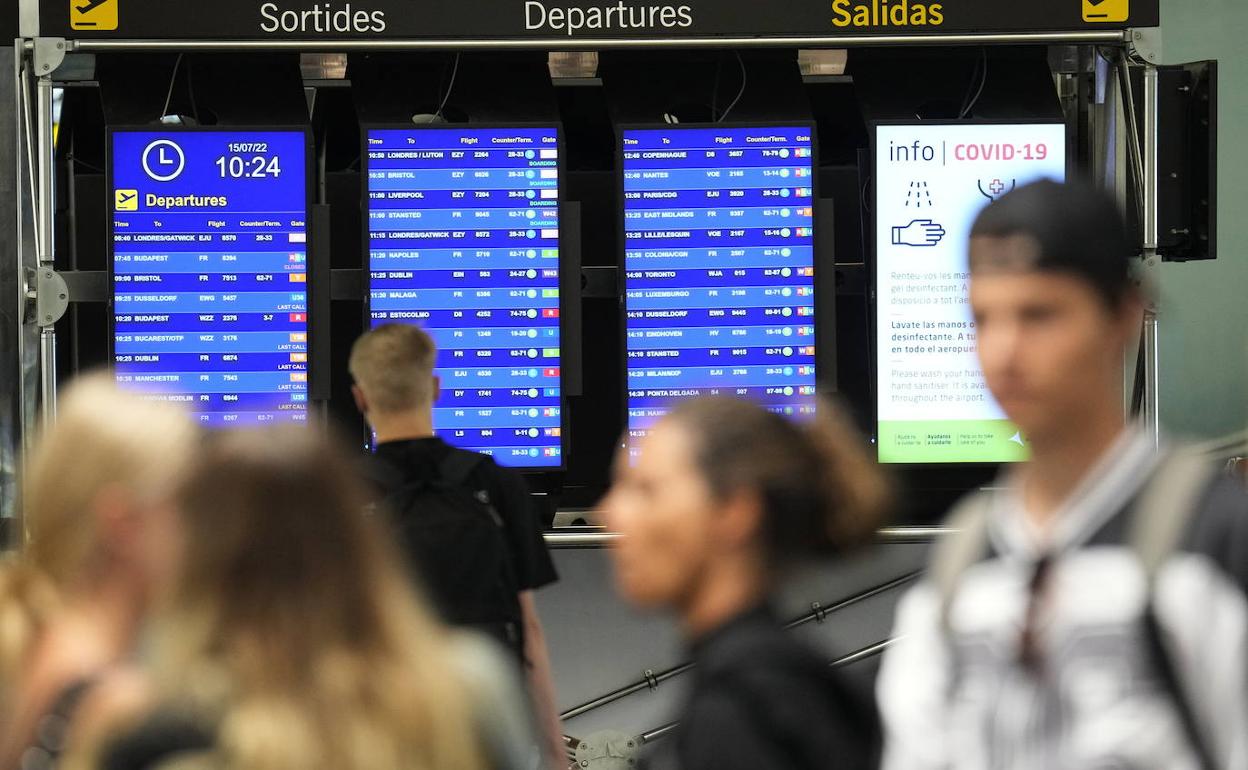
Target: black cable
{"type": "Point", "coordinates": [983, 80]}
{"type": "Point", "coordinates": [89, 166]}
{"type": "Point", "coordinates": [740, 93]}
{"type": "Point", "coordinates": [1141, 370]}
{"type": "Point", "coordinates": [172, 80]}
{"type": "Point", "coordinates": [719, 68]}
{"type": "Point", "coordinates": [449, 88]}
{"type": "Point", "coordinates": [970, 87]}
{"type": "Point", "coordinates": [966, 97]}
{"type": "Point", "coordinates": [190, 92]}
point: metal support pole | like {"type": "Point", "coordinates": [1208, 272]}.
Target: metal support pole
{"type": "Point", "coordinates": [11, 281]}
{"type": "Point", "coordinates": [28, 18]}
{"type": "Point", "coordinates": [45, 211]}
{"type": "Point", "coordinates": [1151, 411]}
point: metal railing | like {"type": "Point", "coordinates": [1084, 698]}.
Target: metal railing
{"type": "Point", "coordinates": [652, 680]}
{"type": "Point", "coordinates": [601, 538]}
{"type": "Point", "coordinates": [870, 651]}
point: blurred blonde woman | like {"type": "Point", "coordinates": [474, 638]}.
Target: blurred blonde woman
{"type": "Point", "coordinates": [73, 596]}
{"type": "Point", "coordinates": [292, 640]}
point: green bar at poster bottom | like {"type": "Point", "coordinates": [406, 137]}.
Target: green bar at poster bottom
{"type": "Point", "coordinates": [951, 441]}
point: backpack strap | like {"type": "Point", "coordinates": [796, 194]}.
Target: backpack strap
{"type": "Point", "coordinates": [1159, 523]}
{"type": "Point", "coordinates": [454, 472]}
{"type": "Point", "coordinates": [1166, 506]}
{"type": "Point", "coordinates": [381, 475]}
{"type": "Point", "coordinates": [49, 742]}
{"type": "Point", "coordinates": [961, 549]}
{"type": "Point", "coordinates": [457, 467]}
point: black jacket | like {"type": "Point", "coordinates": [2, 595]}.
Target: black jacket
{"type": "Point", "coordinates": [761, 700]}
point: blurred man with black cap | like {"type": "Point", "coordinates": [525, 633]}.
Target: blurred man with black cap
{"type": "Point", "coordinates": [1090, 611]}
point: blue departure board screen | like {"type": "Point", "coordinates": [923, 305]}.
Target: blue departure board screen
{"type": "Point", "coordinates": [463, 240]}
{"type": "Point", "coordinates": [719, 267]}
{"type": "Point", "coordinates": [209, 270]}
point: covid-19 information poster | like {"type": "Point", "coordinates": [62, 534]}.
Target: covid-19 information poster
{"type": "Point", "coordinates": [931, 181]}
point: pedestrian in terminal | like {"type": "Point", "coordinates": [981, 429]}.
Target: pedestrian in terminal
{"type": "Point", "coordinates": [1089, 611]}
{"type": "Point", "coordinates": [722, 498]}
{"type": "Point", "coordinates": [74, 593]}
{"type": "Point", "coordinates": [468, 526]}
{"type": "Point", "coordinates": [291, 638]}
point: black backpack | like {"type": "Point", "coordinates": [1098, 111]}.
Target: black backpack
{"type": "Point", "coordinates": [456, 545]}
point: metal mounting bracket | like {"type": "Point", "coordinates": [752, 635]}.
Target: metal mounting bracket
{"type": "Point", "coordinates": [820, 612]}
{"type": "Point", "coordinates": [47, 296]}
{"type": "Point", "coordinates": [1148, 280]}
{"type": "Point", "coordinates": [49, 54]}
{"type": "Point", "coordinates": [608, 750]}
{"type": "Point", "coordinates": [1146, 44]}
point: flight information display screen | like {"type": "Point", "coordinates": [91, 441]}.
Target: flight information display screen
{"type": "Point", "coordinates": [209, 270]}
{"type": "Point", "coordinates": [463, 240]}
{"type": "Point", "coordinates": [719, 267]}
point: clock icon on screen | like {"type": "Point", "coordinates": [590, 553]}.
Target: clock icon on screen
{"type": "Point", "coordinates": [163, 160]}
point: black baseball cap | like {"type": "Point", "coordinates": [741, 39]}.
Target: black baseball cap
{"type": "Point", "coordinates": [1073, 228]}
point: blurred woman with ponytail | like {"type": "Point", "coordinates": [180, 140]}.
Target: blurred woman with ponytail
{"type": "Point", "coordinates": [291, 639]}
{"type": "Point", "coordinates": [721, 499]}
{"type": "Point", "coordinates": [74, 591]}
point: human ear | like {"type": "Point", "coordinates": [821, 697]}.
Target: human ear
{"type": "Point", "coordinates": [739, 519]}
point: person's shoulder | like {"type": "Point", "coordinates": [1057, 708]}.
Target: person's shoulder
{"type": "Point", "coordinates": [767, 662]}
{"type": "Point", "coordinates": [1219, 527]}
{"type": "Point", "coordinates": [412, 450]}
{"type": "Point", "coordinates": [484, 669]}
{"type": "Point", "coordinates": [484, 464]}
{"type": "Point", "coordinates": [381, 471]}
{"type": "Point", "coordinates": [478, 657]}
{"type": "Point", "coordinates": [395, 462]}
{"type": "Point", "coordinates": [504, 484]}
{"type": "Point", "coordinates": [1225, 500]}
{"type": "Point", "coordinates": [111, 703]}
{"type": "Point", "coordinates": [786, 704]}
{"type": "Point", "coordinates": [496, 695]}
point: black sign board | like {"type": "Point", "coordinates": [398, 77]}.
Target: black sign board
{"type": "Point", "coordinates": [356, 20]}
{"type": "Point", "coordinates": [8, 24]}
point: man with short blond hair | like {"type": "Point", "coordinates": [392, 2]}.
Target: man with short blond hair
{"type": "Point", "coordinates": [392, 368]}
{"type": "Point", "coordinates": [395, 389]}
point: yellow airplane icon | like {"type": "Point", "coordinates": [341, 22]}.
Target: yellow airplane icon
{"type": "Point", "coordinates": [93, 14]}
{"type": "Point", "coordinates": [126, 200]}
{"type": "Point", "coordinates": [1106, 11]}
